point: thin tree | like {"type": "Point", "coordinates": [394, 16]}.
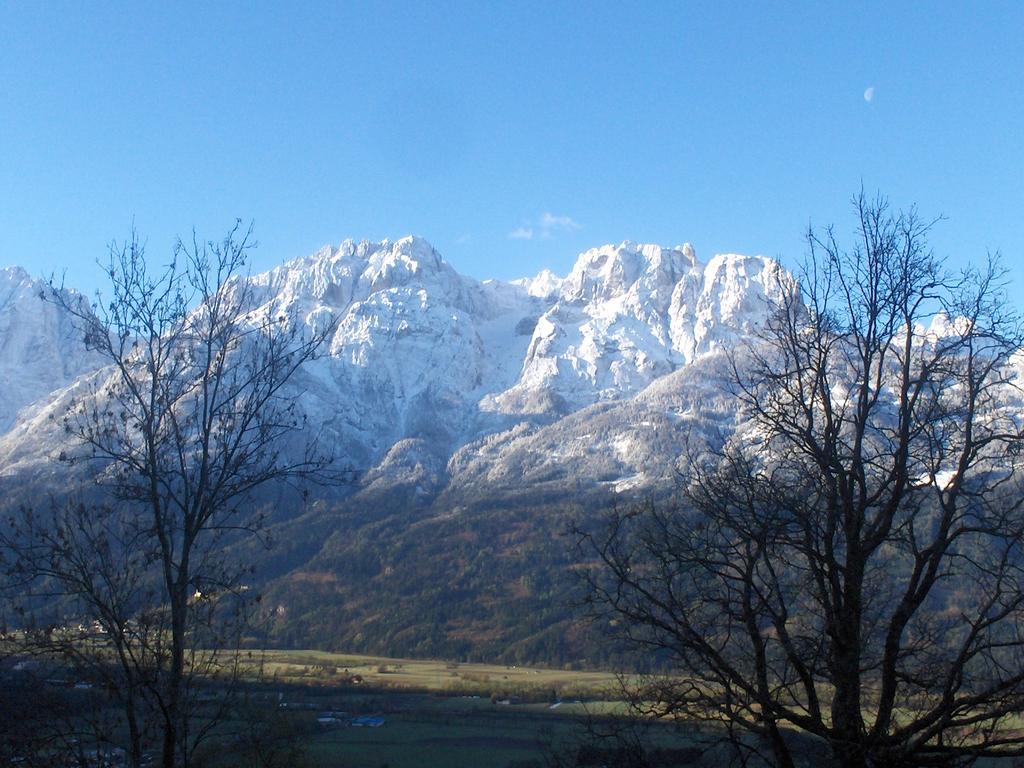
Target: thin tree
{"type": "Point", "coordinates": [191, 421]}
{"type": "Point", "coordinates": [850, 563]}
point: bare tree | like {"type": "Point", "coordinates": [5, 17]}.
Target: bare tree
{"type": "Point", "coordinates": [190, 422]}
{"type": "Point", "coordinates": [110, 632]}
{"type": "Point", "coordinates": [850, 563]}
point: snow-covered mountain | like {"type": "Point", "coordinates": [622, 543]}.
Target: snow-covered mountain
{"type": "Point", "coordinates": [629, 314]}
{"type": "Point", "coordinates": [40, 348]}
{"type": "Point", "coordinates": [440, 379]}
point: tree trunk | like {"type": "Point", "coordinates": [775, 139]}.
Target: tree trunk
{"type": "Point", "coordinates": [134, 734]}
{"type": "Point", "coordinates": [783, 758]}
{"type": "Point", "coordinates": [173, 718]}
{"type": "Point", "coordinates": [847, 718]}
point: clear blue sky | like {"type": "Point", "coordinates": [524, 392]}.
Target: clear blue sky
{"type": "Point", "coordinates": [476, 124]}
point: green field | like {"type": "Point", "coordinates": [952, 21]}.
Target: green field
{"type": "Point", "coordinates": [372, 672]}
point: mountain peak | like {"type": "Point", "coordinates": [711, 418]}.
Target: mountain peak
{"type": "Point", "coordinates": [16, 282]}
{"type": "Point", "coordinates": [14, 274]}
{"type": "Point", "coordinates": [409, 255]}
{"type": "Point", "coordinates": [610, 270]}
{"type": "Point", "coordinates": [543, 285]}
{"type": "Point", "coordinates": [354, 270]}
{"type": "Point", "coordinates": [410, 247]}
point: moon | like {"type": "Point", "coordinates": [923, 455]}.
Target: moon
{"type": "Point", "coordinates": [869, 94]}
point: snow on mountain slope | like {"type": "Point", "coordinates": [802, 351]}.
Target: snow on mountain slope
{"type": "Point", "coordinates": [40, 350]}
{"type": "Point", "coordinates": [428, 373]}
{"type": "Point", "coordinates": [630, 442]}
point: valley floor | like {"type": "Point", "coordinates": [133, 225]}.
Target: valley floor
{"type": "Point", "coordinates": [351, 671]}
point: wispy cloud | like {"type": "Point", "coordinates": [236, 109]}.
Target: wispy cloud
{"type": "Point", "coordinates": [546, 225]}
{"type": "Point", "coordinates": [463, 239]}
{"type": "Point", "coordinates": [521, 233]}
{"type": "Point", "coordinates": [550, 223]}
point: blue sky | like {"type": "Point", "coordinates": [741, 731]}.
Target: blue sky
{"type": "Point", "coordinates": [511, 135]}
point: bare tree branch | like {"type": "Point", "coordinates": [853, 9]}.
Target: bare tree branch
{"type": "Point", "coordinates": [851, 562]}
